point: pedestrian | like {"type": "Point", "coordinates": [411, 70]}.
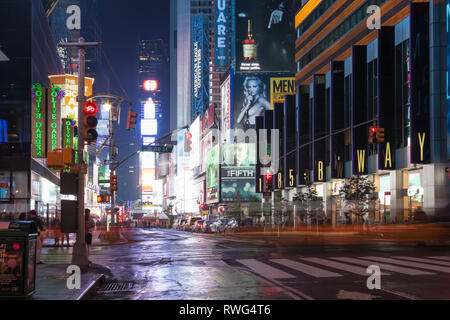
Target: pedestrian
{"type": "Point", "coordinates": [40, 227]}
{"type": "Point", "coordinates": [88, 225]}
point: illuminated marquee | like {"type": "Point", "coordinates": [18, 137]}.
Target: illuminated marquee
{"type": "Point", "coordinates": [38, 143]}
{"type": "Point", "coordinates": [69, 84]}
{"type": "Point", "coordinates": [67, 133]}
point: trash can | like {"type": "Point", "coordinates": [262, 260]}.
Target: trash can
{"type": "Point", "coordinates": [18, 242]}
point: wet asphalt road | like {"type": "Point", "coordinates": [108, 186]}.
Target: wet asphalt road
{"type": "Point", "coordinates": [176, 265]}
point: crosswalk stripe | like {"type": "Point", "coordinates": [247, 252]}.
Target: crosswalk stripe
{"type": "Point", "coordinates": [442, 263]}
{"type": "Point", "coordinates": [409, 264]}
{"type": "Point", "coordinates": [340, 266]}
{"type": "Point", "coordinates": [389, 267]}
{"type": "Point", "coordinates": [440, 258]}
{"type": "Point", "coordinates": [264, 269]}
{"type": "Point", "coordinates": [215, 263]}
{"type": "Point", "coordinates": [312, 271]}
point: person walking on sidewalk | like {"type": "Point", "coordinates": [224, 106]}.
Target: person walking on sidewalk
{"type": "Point", "coordinates": [88, 225]}
{"type": "Point", "coordinates": [34, 217]}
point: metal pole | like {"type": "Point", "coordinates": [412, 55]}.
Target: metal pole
{"type": "Point", "coordinates": [112, 157]}
{"type": "Point", "coordinates": [79, 256]}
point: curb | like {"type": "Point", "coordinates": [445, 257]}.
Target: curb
{"type": "Point", "coordinates": [93, 286]}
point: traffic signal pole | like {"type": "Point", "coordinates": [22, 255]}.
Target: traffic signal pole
{"type": "Point", "coordinates": [79, 253]}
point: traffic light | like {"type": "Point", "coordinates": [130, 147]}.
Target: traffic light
{"type": "Point", "coordinates": [90, 122]}
{"type": "Point", "coordinates": [269, 182]}
{"type": "Point", "coordinates": [373, 135]}
{"type": "Point", "coordinates": [103, 198]}
{"type": "Point", "coordinates": [187, 142]}
{"type": "Point", "coordinates": [380, 134]}
{"type": "Point", "coordinates": [131, 120]}
{"type": "Point", "coordinates": [113, 182]}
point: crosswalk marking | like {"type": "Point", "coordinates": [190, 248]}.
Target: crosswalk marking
{"type": "Point", "coordinates": [440, 258]}
{"type": "Point", "coordinates": [442, 263]}
{"type": "Point", "coordinates": [264, 269]}
{"type": "Point", "coordinates": [341, 266]}
{"type": "Point", "coordinates": [389, 267]}
{"type": "Point", "coordinates": [409, 264]}
{"type": "Point", "coordinates": [312, 271]}
{"type": "Point", "coordinates": [215, 263]}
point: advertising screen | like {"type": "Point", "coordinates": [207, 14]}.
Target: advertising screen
{"type": "Point", "coordinates": [265, 35]}
{"type": "Point", "coordinates": [149, 127]}
{"type": "Point", "coordinates": [149, 109]}
{"type": "Point", "coordinates": [238, 172]}
{"type": "Point", "coordinates": [239, 154]}
{"type": "Point", "coordinates": [240, 180]}
{"type": "Point", "coordinates": [212, 175]}
{"type": "Point", "coordinates": [251, 98]}
{"type": "Point", "coordinates": [226, 110]}
{"type": "Point", "coordinates": [148, 180]}
{"type": "Point", "coordinates": [222, 32]}
{"type": "Point", "coordinates": [69, 84]}
{"type": "Point", "coordinates": [147, 160]}
{"type": "Point", "coordinates": [195, 153]}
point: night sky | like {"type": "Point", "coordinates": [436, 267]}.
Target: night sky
{"type": "Point", "coordinates": [124, 23]}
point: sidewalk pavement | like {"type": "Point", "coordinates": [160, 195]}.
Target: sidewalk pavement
{"type": "Point", "coordinates": [51, 283]}
{"type": "Point", "coordinates": [97, 240]}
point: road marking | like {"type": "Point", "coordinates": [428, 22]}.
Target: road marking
{"type": "Point", "coordinates": [389, 267]}
{"type": "Point", "coordinates": [409, 264]}
{"type": "Point", "coordinates": [443, 263]}
{"type": "Point", "coordinates": [312, 271]}
{"type": "Point", "coordinates": [215, 263]}
{"type": "Point", "coordinates": [441, 258]}
{"type": "Point", "coordinates": [341, 266]}
{"type": "Point", "coordinates": [264, 269]}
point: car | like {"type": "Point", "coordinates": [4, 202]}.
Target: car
{"type": "Point", "coordinates": [190, 223]}
{"type": "Point", "coordinates": [206, 227]}
{"type": "Point", "coordinates": [181, 224]}
{"type": "Point", "coordinates": [176, 223]}
{"type": "Point", "coordinates": [232, 225]}
{"type": "Point", "coordinates": [219, 225]}
{"type": "Point", "coordinates": [197, 227]}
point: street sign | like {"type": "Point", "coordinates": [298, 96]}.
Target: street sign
{"type": "Point", "coordinates": [158, 149]}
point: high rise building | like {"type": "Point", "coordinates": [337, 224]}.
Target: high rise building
{"type": "Point", "coordinates": [353, 76]}
{"type": "Point", "coordinates": [25, 180]}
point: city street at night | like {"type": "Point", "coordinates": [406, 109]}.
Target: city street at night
{"type": "Point", "coordinates": [225, 158]}
{"type": "Point", "coordinates": [173, 265]}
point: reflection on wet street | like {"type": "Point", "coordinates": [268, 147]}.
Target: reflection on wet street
{"type": "Point", "coordinates": [174, 265]}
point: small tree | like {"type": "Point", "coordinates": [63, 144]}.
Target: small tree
{"type": "Point", "coordinates": [307, 199]}
{"type": "Point", "coordinates": [357, 193]}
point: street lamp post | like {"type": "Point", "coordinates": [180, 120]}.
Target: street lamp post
{"type": "Point", "coordinates": [79, 254]}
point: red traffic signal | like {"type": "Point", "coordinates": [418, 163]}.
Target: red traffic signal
{"type": "Point", "coordinates": [269, 183]}
{"type": "Point", "coordinates": [373, 135]}
{"type": "Point", "coordinates": [90, 108]}
{"type": "Point", "coordinates": [202, 206]}
{"type": "Point", "coordinates": [90, 122]}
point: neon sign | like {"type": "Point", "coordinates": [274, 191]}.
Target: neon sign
{"type": "Point", "coordinates": [54, 117]}
{"type": "Point", "coordinates": [38, 122]}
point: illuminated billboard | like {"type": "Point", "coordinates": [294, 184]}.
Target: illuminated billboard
{"type": "Point", "coordinates": [148, 140]}
{"type": "Point", "coordinates": [150, 85]}
{"type": "Point", "coordinates": [205, 147]}
{"type": "Point", "coordinates": [148, 180]}
{"type": "Point", "coordinates": [265, 35]}
{"type": "Point", "coordinates": [149, 127]}
{"type": "Point", "coordinates": [195, 153]}
{"type": "Point", "coordinates": [199, 64]}
{"type": "Point", "coordinates": [237, 177]}
{"type": "Point", "coordinates": [147, 160]}
{"type": "Point", "coordinates": [212, 175]}
{"type": "Point", "coordinates": [69, 84]}
{"type": "Point", "coordinates": [251, 97]}
{"type": "Point", "coordinates": [221, 32]}
{"type": "Point", "coordinates": [226, 110]}
{"type": "Point", "coordinates": [149, 109]}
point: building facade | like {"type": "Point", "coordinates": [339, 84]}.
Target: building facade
{"type": "Point", "coordinates": [351, 76]}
